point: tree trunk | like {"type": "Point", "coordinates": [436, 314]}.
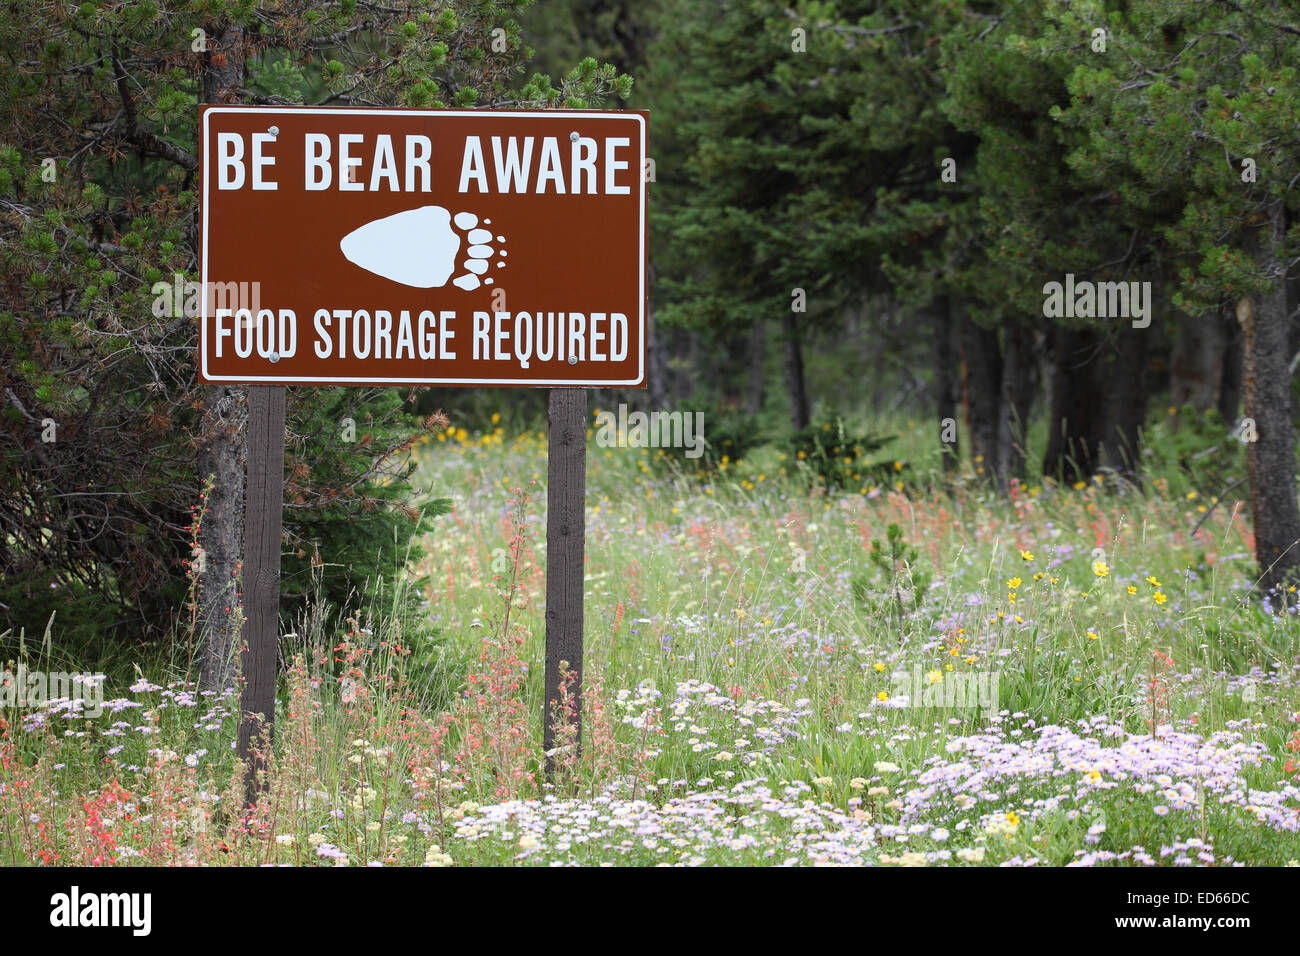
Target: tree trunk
{"type": "Point", "coordinates": [1015, 401]}
{"type": "Point", "coordinates": [983, 386]}
{"type": "Point", "coordinates": [1076, 405]}
{"type": "Point", "coordinates": [757, 362]}
{"type": "Point", "coordinates": [221, 444]}
{"type": "Point", "coordinates": [1229, 399]}
{"type": "Point", "coordinates": [1267, 387]}
{"type": "Point", "coordinates": [1293, 336]}
{"type": "Point", "coordinates": [1126, 403]}
{"type": "Point", "coordinates": [656, 373]}
{"type": "Point", "coordinates": [794, 378]}
{"type": "Point", "coordinates": [947, 387]}
{"type": "Point", "coordinates": [694, 365]}
{"type": "Point", "coordinates": [1196, 364]}
{"type": "Point", "coordinates": [221, 457]}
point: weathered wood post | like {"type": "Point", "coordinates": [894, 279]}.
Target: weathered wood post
{"type": "Point", "coordinates": [264, 507]}
{"type": "Point", "coordinates": [566, 525]}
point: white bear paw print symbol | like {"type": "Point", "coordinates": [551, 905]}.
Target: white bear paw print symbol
{"type": "Point", "coordinates": [421, 247]}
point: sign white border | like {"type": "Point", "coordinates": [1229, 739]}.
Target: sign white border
{"type": "Point", "coordinates": [270, 112]}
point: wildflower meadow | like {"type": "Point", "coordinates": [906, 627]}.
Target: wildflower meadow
{"type": "Point", "coordinates": [1067, 677]}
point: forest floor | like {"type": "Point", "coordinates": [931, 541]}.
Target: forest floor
{"type": "Point", "coordinates": [1068, 676]}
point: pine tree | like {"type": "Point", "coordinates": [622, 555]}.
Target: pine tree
{"type": "Point", "coordinates": [1199, 111]}
{"type": "Point", "coordinates": [724, 132]}
{"type": "Point", "coordinates": [98, 204]}
{"type": "Point", "coordinates": [1043, 220]}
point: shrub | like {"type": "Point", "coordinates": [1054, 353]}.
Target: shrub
{"type": "Point", "coordinates": [834, 457]}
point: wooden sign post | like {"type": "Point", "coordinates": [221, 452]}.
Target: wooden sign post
{"type": "Point", "coordinates": [566, 526]}
{"type": "Point", "coordinates": [263, 511]}
{"type": "Point", "coordinates": [370, 247]}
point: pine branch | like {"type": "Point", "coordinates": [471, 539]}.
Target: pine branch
{"type": "Point", "coordinates": [145, 141]}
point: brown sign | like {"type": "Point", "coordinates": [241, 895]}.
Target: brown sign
{"type": "Point", "coordinates": [423, 247]}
